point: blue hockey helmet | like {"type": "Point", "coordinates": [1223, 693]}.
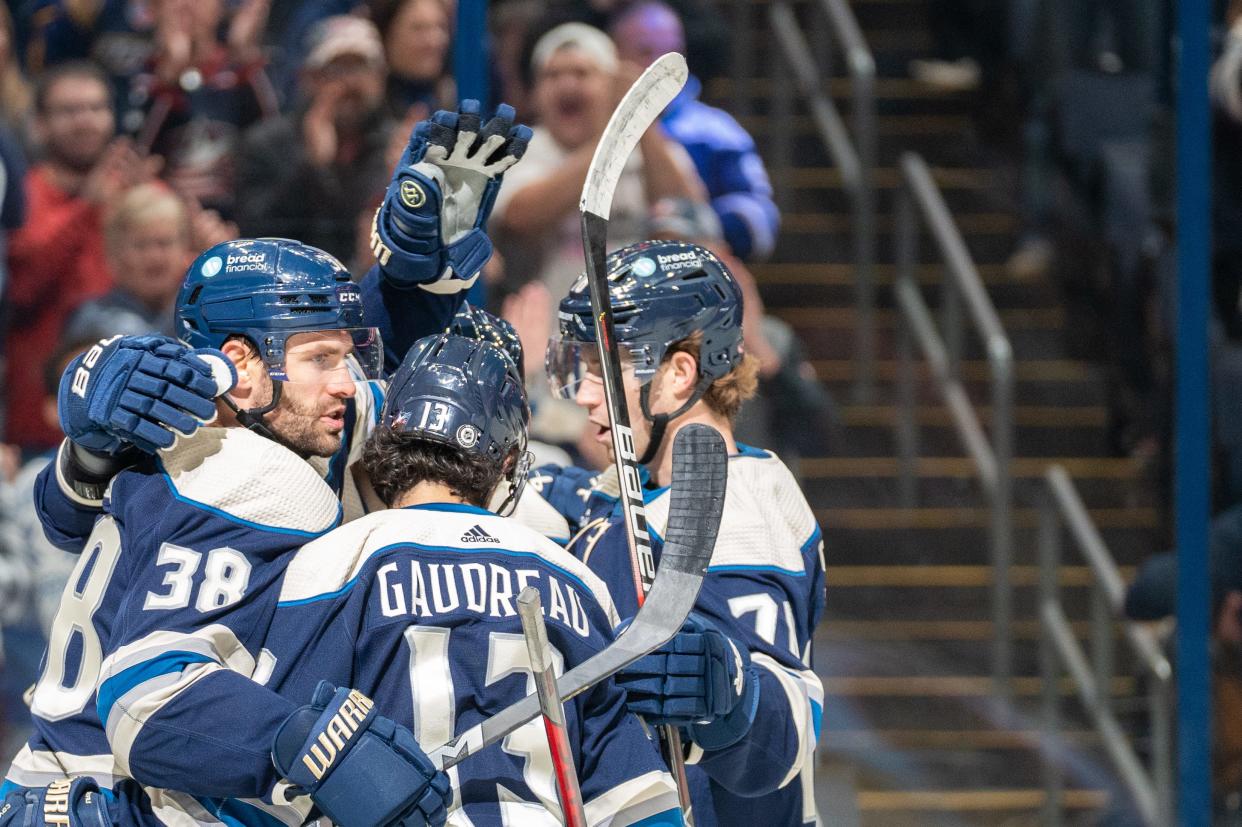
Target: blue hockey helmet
{"type": "Point", "coordinates": [269, 290]}
{"type": "Point", "coordinates": [476, 323]}
{"type": "Point", "coordinates": [467, 394]}
{"type": "Point", "coordinates": [662, 292]}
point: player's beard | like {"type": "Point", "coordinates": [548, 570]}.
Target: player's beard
{"type": "Point", "coordinates": [295, 424]}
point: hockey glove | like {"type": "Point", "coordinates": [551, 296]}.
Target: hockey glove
{"type": "Point", "coordinates": [430, 229]}
{"type": "Point", "coordinates": [700, 680]}
{"type": "Point", "coordinates": [76, 803]}
{"type": "Point", "coordinates": [360, 769]}
{"type": "Point", "coordinates": [139, 390]}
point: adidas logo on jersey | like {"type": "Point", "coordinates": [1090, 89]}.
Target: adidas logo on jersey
{"type": "Point", "coordinates": [478, 535]}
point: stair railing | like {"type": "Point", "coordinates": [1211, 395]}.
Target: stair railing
{"type": "Point", "coordinates": [920, 204]}
{"type": "Point", "coordinates": [1152, 789]}
{"type": "Point", "coordinates": [853, 154]}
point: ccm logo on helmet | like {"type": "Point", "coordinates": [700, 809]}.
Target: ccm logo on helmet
{"type": "Point", "coordinates": [349, 296]}
{"type": "Point", "coordinates": [239, 262]}
{"type": "Point", "coordinates": [339, 729]}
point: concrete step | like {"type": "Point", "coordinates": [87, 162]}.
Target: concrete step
{"type": "Point", "coordinates": [967, 808]}
{"type": "Point", "coordinates": [894, 133]}
{"type": "Point", "coordinates": [1082, 469]}
{"type": "Point", "coordinates": [1072, 373]}
{"type": "Point", "coordinates": [828, 333]}
{"type": "Point", "coordinates": [957, 535]}
{"type": "Point", "coordinates": [935, 599]}
{"type": "Point", "coordinates": [1039, 430]}
{"type": "Point", "coordinates": [847, 492]}
{"type": "Point", "coordinates": [929, 659]}
{"type": "Point", "coordinates": [839, 248]}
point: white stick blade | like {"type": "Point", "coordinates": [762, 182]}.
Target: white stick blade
{"type": "Point", "coordinates": [642, 104]}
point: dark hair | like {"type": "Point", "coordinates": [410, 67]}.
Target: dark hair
{"type": "Point", "coordinates": [65, 352]}
{"type": "Point", "coordinates": [396, 462]}
{"type": "Point", "coordinates": [70, 69]}
{"type": "Point", "coordinates": [384, 12]}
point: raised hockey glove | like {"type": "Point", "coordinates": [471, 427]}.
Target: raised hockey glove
{"type": "Point", "coordinates": [701, 680]}
{"type": "Point", "coordinates": [64, 803]}
{"type": "Point", "coordinates": [360, 769]}
{"type": "Point", "coordinates": [140, 391]}
{"type": "Point", "coordinates": [430, 229]}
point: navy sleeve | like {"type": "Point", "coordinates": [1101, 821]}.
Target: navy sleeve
{"type": "Point", "coordinates": [214, 739]}
{"type": "Point", "coordinates": [404, 316]}
{"type": "Point", "coordinates": [66, 522]}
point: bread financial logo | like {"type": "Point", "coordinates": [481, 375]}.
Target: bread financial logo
{"type": "Point", "coordinates": [412, 194]}
{"type": "Point", "coordinates": [212, 266]}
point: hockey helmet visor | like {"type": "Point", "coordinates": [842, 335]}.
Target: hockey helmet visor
{"type": "Point", "coordinates": [295, 304]}
{"type": "Point", "coordinates": [662, 292]}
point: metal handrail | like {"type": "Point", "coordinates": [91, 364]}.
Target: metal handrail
{"type": "Point", "coordinates": [1062, 507]}
{"type": "Point", "coordinates": [854, 155]}
{"type": "Point", "coordinates": [919, 203]}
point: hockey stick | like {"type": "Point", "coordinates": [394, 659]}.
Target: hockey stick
{"type": "Point", "coordinates": [638, 110]}
{"type": "Point", "coordinates": [530, 609]}
{"type": "Point", "coordinates": [700, 467]}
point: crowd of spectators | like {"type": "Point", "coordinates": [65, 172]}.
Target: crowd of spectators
{"type": "Point", "coordinates": [135, 133]}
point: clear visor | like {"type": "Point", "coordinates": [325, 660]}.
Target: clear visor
{"type": "Point", "coordinates": [569, 363]}
{"type": "Point", "coordinates": [352, 354]}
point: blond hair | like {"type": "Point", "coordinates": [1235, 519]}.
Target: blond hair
{"type": "Point", "coordinates": [725, 395]}
{"type": "Point", "coordinates": [140, 204]}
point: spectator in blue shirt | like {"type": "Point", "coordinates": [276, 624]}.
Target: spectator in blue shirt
{"type": "Point", "coordinates": [723, 152]}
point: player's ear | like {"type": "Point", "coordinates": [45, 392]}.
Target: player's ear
{"type": "Point", "coordinates": [245, 360]}
{"type": "Point", "coordinates": [683, 373]}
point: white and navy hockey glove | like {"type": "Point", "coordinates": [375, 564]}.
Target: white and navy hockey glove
{"type": "Point", "coordinates": [701, 680]}
{"type": "Point", "coordinates": [64, 803]}
{"type": "Point", "coordinates": [140, 391]}
{"type": "Point", "coordinates": [360, 769]}
{"type": "Point", "coordinates": [429, 231]}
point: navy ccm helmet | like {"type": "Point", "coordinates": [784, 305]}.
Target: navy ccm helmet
{"type": "Point", "coordinates": [268, 290]}
{"type": "Point", "coordinates": [661, 292]}
{"type": "Point", "coordinates": [467, 394]}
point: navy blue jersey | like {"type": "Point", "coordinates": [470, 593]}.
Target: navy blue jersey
{"type": "Point", "coordinates": [415, 608]}
{"type": "Point", "coordinates": [764, 588]}
{"type": "Point", "coordinates": [164, 619]}
{"type": "Point", "coordinates": [565, 499]}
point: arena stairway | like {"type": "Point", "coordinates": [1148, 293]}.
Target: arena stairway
{"type": "Point", "coordinates": [912, 733]}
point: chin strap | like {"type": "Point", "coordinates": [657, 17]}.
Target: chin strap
{"type": "Point", "coordinates": [659, 422]}
{"type": "Point", "coordinates": [516, 480]}
{"type": "Point", "coordinates": [252, 418]}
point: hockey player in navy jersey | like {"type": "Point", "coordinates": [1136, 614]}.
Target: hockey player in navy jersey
{"type": "Point", "coordinates": [738, 679]}
{"type": "Point", "coordinates": [178, 579]}
{"type": "Point", "coordinates": [414, 606]}
{"type": "Point", "coordinates": [161, 625]}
